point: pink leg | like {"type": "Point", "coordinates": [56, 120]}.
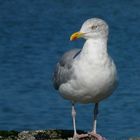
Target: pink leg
{"type": "Point", "coordinates": [93, 133]}
{"type": "Point", "coordinates": [73, 118]}
{"type": "Point", "coordinates": [80, 136]}
{"type": "Point", "coordinates": [96, 136]}
{"type": "Point", "coordinates": [76, 136]}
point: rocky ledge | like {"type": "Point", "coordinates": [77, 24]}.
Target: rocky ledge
{"type": "Point", "coordinates": [37, 135]}
{"type": "Point", "coordinates": [42, 135]}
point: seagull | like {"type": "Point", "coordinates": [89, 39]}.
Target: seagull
{"type": "Point", "coordinates": [87, 75]}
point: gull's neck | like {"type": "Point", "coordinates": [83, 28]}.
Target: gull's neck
{"type": "Point", "coordinates": [94, 49]}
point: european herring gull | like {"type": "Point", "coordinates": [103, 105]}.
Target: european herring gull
{"type": "Point", "coordinates": [87, 75]}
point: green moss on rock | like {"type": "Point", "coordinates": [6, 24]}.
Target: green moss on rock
{"type": "Point", "coordinates": [8, 135]}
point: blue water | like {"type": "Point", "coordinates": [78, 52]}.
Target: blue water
{"type": "Point", "coordinates": [33, 36]}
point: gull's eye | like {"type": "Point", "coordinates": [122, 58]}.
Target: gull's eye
{"type": "Point", "coordinates": [93, 27]}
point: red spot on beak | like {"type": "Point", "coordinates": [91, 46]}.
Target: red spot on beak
{"type": "Point", "coordinates": [75, 38]}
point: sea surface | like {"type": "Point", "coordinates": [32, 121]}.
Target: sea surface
{"type": "Point", "coordinates": [33, 36]}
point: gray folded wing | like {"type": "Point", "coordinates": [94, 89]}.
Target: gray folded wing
{"type": "Point", "coordinates": [63, 71]}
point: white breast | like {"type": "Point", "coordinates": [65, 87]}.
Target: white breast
{"type": "Point", "coordinates": [94, 75]}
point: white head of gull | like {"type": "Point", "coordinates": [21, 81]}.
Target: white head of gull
{"type": "Point", "coordinates": [88, 75]}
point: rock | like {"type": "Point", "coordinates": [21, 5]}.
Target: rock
{"type": "Point", "coordinates": [8, 135]}
{"type": "Point", "coordinates": [43, 135]}
{"type": "Point", "coordinates": [25, 135]}
{"type": "Point", "coordinates": [37, 135]}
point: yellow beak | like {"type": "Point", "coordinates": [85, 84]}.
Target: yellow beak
{"type": "Point", "coordinates": [76, 35]}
